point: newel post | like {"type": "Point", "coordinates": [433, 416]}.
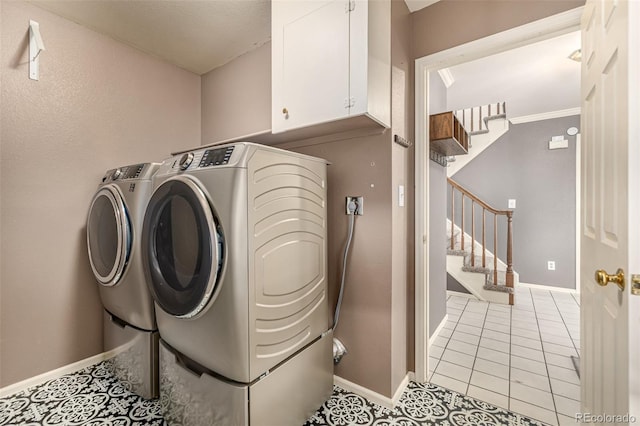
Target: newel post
{"type": "Point", "coordinates": [509, 276]}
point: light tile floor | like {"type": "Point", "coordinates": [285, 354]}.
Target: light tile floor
{"type": "Point", "coordinates": [516, 357]}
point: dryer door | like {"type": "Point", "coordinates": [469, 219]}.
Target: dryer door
{"type": "Point", "coordinates": [108, 235]}
{"type": "Point", "coordinates": [181, 247]}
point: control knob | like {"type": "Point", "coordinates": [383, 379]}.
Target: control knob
{"type": "Point", "coordinates": [185, 161]}
{"type": "Point", "coordinates": [116, 174]}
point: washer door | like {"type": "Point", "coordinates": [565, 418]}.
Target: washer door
{"type": "Point", "coordinates": [108, 235]}
{"type": "Point", "coordinates": [181, 247]}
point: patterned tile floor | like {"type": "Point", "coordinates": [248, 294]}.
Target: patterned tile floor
{"type": "Point", "coordinates": [518, 358]}
{"type": "Point", "coordinates": [514, 358]}
{"type": "Point", "coordinates": [420, 405]}
{"type": "Point", "coordinates": [94, 397]}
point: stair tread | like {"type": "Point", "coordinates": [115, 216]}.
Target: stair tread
{"type": "Point", "coordinates": [478, 269]}
{"type": "Point", "coordinates": [456, 252]}
{"type": "Point", "coordinates": [487, 271]}
{"type": "Point", "coordinates": [457, 245]}
{"type": "Point", "coordinates": [467, 254]}
{"type": "Point", "coordinates": [500, 288]}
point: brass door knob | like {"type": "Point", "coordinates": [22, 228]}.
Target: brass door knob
{"type": "Point", "coordinates": [602, 278]}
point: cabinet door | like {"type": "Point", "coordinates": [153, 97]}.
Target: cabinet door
{"type": "Point", "coordinates": [358, 57]}
{"type": "Point", "coordinates": [311, 63]}
{"type": "Point", "coordinates": [370, 60]}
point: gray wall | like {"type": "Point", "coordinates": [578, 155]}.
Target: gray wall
{"type": "Point", "coordinates": [454, 285]}
{"type": "Point", "coordinates": [437, 245]}
{"type": "Point", "coordinates": [519, 165]}
{"type": "Point", "coordinates": [437, 218]}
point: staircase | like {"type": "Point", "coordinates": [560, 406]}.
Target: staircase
{"type": "Point", "coordinates": [470, 259]}
{"type": "Point", "coordinates": [485, 124]}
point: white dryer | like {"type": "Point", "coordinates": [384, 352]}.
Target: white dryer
{"type": "Point", "coordinates": [235, 252]}
{"type": "Point", "coordinates": [114, 228]}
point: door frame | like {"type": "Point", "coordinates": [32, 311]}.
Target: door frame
{"type": "Point", "coordinates": [543, 29]}
{"type": "Point", "coordinates": [634, 188]}
{"type": "Point", "coordinates": [578, 201]}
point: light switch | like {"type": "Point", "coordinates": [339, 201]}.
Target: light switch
{"type": "Point", "coordinates": [401, 195]}
{"type": "Point", "coordinates": [512, 203]}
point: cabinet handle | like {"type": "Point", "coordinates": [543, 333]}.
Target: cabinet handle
{"type": "Point", "coordinates": [285, 111]}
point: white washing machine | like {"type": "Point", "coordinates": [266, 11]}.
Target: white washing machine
{"type": "Point", "coordinates": [114, 229]}
{"type": "Point", "coordinates": [235, 253]}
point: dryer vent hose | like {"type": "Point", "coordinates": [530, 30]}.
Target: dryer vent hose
{"type": "Point", "coordinates": [336, 316]}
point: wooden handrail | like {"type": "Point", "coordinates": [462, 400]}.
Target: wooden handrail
{"type": "Point", "coordinates": [465, 193]}
{"type": "Point", "coordinates": [469, 194]}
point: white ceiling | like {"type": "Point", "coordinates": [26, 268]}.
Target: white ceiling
{"type": "Point", "coordinates": [202, 35]}
{"type": "Point", "coordinates": [533, 79]}
{"type": "Point", "coordinates": [196, 35]}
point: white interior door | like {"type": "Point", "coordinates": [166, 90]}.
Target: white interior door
{"type": "Point", "coordinates": [609, 224]}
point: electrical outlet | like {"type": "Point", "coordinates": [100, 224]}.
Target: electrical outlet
{"type": "Point", "coordinates": [359, 205]}
{"type": "Point", "coordinates": [551, 265]}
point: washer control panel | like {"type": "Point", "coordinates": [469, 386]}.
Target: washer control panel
{"type": "Point", "coordinates": [132, 172]}
{"type": "Point", "coordinates": [216, 157]}
{"type": "Point", "coordinates": [127, 172]}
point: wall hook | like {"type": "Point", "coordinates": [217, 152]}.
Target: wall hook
{"type": "Point", "coordinates": [36, 46]}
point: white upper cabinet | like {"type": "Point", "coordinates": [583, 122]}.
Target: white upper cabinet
{"type": "Point", "coordinates": [331, 60]}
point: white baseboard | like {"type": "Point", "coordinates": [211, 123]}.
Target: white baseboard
{"type": "Point", "coordinates": [54, 374]}
{"type": "Point", "coordinates": [399, 391]}
{"type": "Point", "coordinates": [437, 330]}
{"type": "Point", "coordinates": [461, 294]}
{"type": "Point", "coordinates": [548, 287]}
{"type": "Point", "coordinates": [372, 396]}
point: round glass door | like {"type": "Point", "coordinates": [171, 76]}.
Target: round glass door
{"type": "Point", "coordinates": [181, 247]}
{"type": "Point", "coordinates": [108, 235]}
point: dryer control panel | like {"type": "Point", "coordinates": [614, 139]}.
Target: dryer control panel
{"type": "Point", "coordinates": [202, 158]}
{"type": "Point", "coordinates": [216, 157]}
